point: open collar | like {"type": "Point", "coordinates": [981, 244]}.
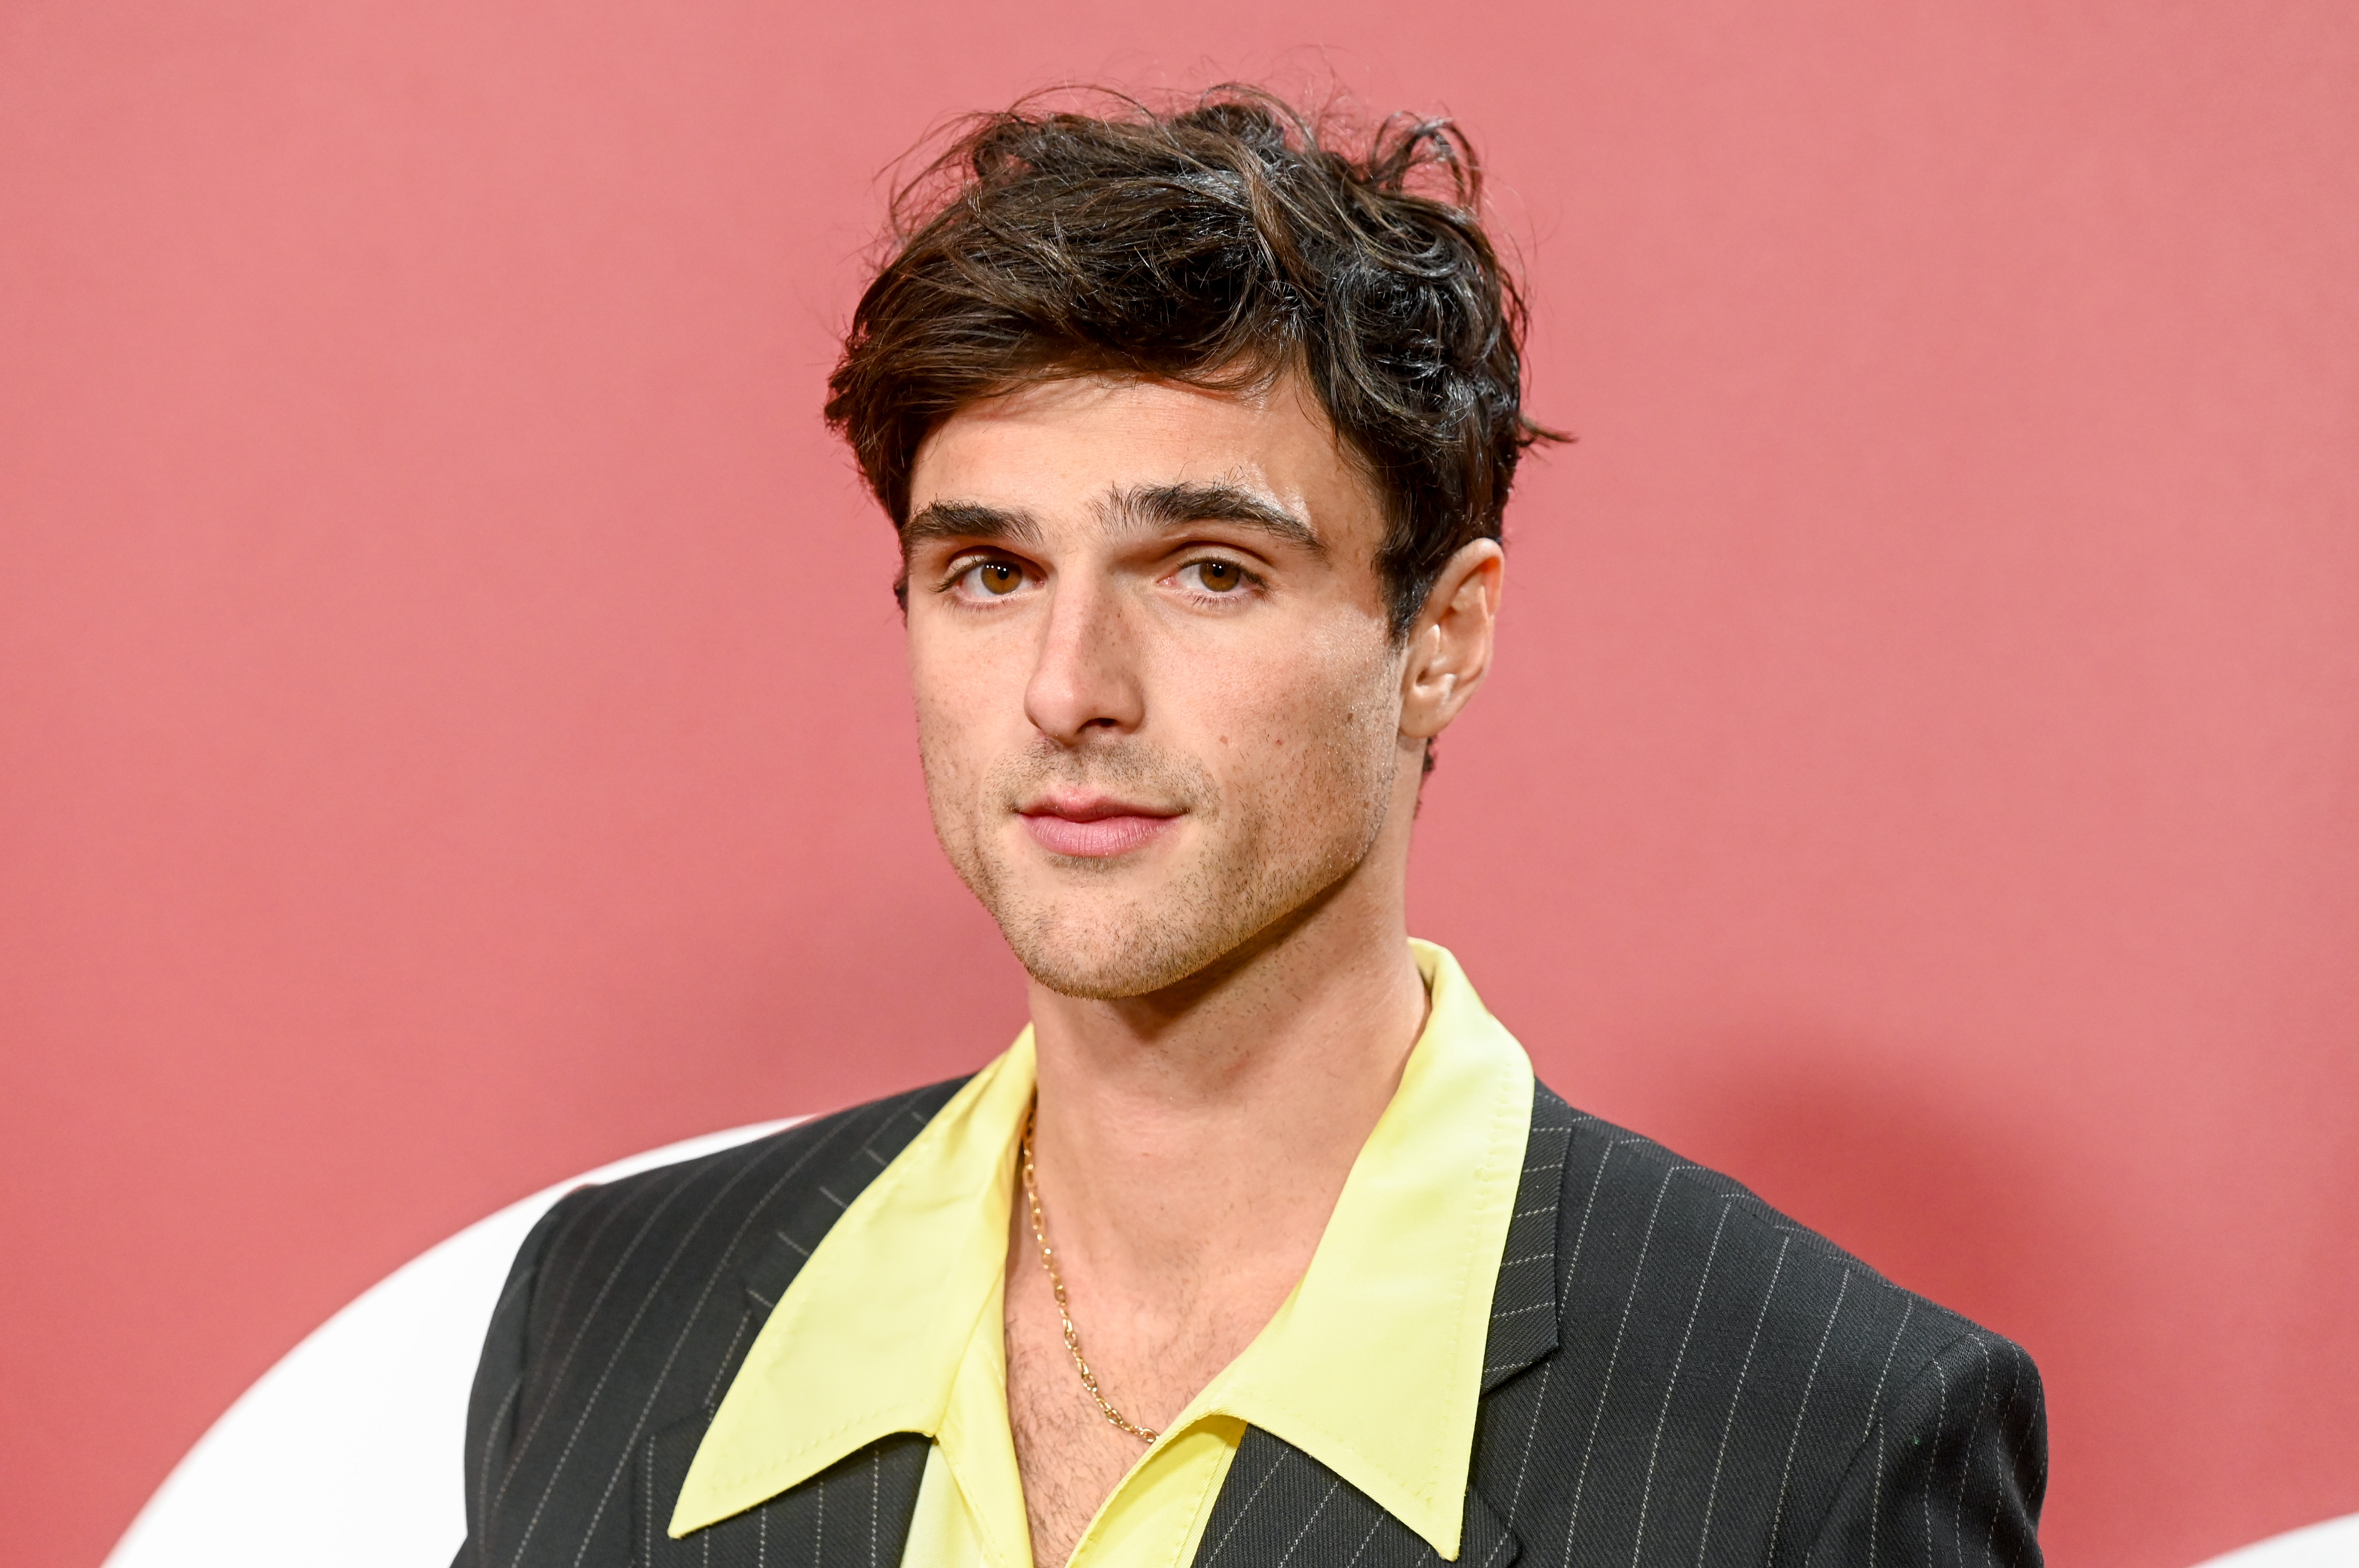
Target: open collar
{"type": "Point", "coordinates": [1374, 1366]}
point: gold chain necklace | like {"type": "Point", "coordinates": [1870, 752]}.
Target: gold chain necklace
{"type": "Point", "coordinates": [1064, 1312]}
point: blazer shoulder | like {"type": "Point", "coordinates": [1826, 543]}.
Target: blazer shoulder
{"type": "Point", "coordinates": [680, 1220]}
{"type": "Point", "coordinates": [628, 1309]}
{"type": "Point", "coordinates": [1631, 1207]}
{"type": "Point", "coordinates": [805, 1154]}
{"type": "Point", "coordinates": [1763, 1390]}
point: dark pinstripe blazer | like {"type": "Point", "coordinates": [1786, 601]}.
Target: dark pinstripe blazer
{"type": "Point", "coordinates": [1677, 1373]}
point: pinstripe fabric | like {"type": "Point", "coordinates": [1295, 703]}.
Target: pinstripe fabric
{"type": "Point", "coordinates": [1717, 1387]}
{"type": "Point", "coordinates": [629, 1310]}
{"type": "Point", "coordinates": [1676, 1374]}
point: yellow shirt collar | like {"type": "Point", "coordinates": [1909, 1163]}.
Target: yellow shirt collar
{"type": "Point", "coordinates": [1373, 1365]}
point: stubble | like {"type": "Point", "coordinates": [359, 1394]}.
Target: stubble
{"type": "Point", "coordinates": [1253, 856]}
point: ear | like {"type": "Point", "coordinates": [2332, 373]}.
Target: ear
{"type": "Point", "coordinates": [1449, 645]}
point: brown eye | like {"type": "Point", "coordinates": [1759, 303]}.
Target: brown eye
{"type": "Point", "coordinates": [1219, 576]}
{"type": "Point", "coordinates": [998, 578]}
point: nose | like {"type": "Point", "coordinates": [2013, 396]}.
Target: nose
{"type": "Point", "coordinates": [1084, 677]}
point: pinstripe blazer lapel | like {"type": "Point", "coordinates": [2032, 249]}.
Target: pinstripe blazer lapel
{"type": "Point", "coordinates": [1281, 1508]}
{"type": "Point", "coordinates": [1524, 1301]}
{"type": "Point", "coordinates": [854, 1515]}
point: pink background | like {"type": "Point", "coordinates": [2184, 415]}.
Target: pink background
{"type": "Point", "coordinates": [455, 733]}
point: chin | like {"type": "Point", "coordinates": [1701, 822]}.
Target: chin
{"type": "Point", "coordinates": [1113, 948]}
{"type": "Point", "coordinates": [1111, 959]}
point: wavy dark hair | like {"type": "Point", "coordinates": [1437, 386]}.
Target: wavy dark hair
{"type": "Point", "coordinates": [1221, 244]}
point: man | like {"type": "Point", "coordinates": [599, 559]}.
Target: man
{"type": "Point", "coordinates": [1260, 1246]}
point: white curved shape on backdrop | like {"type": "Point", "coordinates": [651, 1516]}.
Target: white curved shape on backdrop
{"type": "Point", "coordinates": [364, 1421]}
{"type": "Point", "coordinates": [2334, 1544]}
{"type": "Point", "coordinates": [355, 1436]}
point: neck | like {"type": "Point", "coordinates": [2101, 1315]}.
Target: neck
{"type": "Point", "coordinates": [1208, 1130]}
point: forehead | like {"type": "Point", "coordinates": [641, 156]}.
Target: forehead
{"type": "Point", "coordinates": [1057, 448]}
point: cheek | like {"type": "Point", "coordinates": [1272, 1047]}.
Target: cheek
{"type": "Point", "coordinates": [950, 727]}
{"type": "Point", "coordinates": [1313, 722]}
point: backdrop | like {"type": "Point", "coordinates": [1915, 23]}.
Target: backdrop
{"type": "Point", "coordinates": [455, 730]}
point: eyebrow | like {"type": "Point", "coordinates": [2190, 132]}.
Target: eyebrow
{"type": "Point", "coordinates": [1140, 507]}
{"type": "Point", "coordinates": [942, 520]}
{"type": "Point", "coordinates": [1144, 506]}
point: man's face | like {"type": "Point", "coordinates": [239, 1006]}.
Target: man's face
{"type": "Point", "coordinates": [1157, 702]}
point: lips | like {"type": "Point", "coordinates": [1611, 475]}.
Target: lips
{"type": "Point", "coordinates": [1094, 828]}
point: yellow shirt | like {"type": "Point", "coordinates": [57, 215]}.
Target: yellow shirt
{"type": "Point", "coordinates": [1373, 1365]}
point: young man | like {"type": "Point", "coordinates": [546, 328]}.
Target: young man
{"type": "Point", "coordinates": [1260, 1246]}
